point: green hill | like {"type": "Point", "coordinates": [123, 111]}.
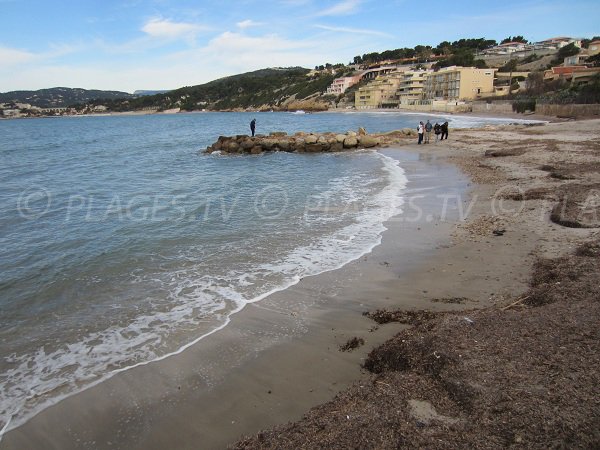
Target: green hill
{"type": "Point", "coordinates": [274, 88]}
{"type": "Point", "coordinates": [59, 96]}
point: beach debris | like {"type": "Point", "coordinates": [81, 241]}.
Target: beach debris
{"type": "Point", "coordinates": [499, 232]}
{"type": "Point", "coordinates": [515, 303]}
{"type": "Point", "coordinates": [352, 344]}
{"type": "Point", "coordinates": [382, 316]}
{"type": "Point", "coordinates": [469, 321]}
{"type": "Point", "coordinates": [452, 300]}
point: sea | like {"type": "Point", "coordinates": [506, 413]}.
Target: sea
{"type": "Point", "coordinates": [121, 243]}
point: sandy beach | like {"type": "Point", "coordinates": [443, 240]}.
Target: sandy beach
{"type": "Point", "coordinates": [480, 213]}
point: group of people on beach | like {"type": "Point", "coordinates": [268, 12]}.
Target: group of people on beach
{"type": "Point", "coordinates": [424, 131]}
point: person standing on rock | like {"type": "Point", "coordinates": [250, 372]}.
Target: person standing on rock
{"type": "Point", "coordinates": [253, 126]}
{"type": "Point", "coordinates": [420, 130]}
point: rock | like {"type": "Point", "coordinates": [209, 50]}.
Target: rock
{"type": "Point", "coordinates": [278, 133]}
{"type": "Point", "coordinates": [232, 147]}
{"type": "Point", "coordinates": [368, 141]}
{"type": "Point", "coordinates": [337, 147]}
{"type": "Point", "coordinates": [322, 140]}
{"type": "Point", "coordinates": [350, 142]}
{"type": "Point", "coordinates": [340, 138]}
{"type": "Point", "coordinates": [315, 148]}
{"type": "Point", "coordinates": [351, 133]}
{"type": "Point", "coordinates": [284, 145]}
{"type": "Point", "coordinates": [247, 144]}
{"type": "Point", "coordinates": [268, 144]}
{"type": "Point", "coordinates": [311, 139]}
{"type": "Point", "coordinates": [256, 150]}
{"type": "Point", "coordinates": [362, 131]}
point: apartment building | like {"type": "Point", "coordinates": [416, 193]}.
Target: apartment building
{"type": "Point", "coordinates": [459, 83]}
{"type": "Point", "coordinates": [412, 86]}
{"type": "Point", "coordinates": [382, 92]}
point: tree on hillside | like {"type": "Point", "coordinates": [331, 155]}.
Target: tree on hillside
{"type": "Point", "coordinates": [510, 66]}
{"type": "Point", "coordinates": [514, 39]}
{"type": "Point", "coordinates": [593, 61]}
{"type": "Point", "coordinates": [422, 52]}
{"type": "Point", "coordinates": [568, 50]}
{"type": "Point", "coordinates": [564, 52]}
{"type": "Point", "coordinates": [463, 57]}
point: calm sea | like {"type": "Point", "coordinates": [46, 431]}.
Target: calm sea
{"type": "Point", "coordinates": [121, 244]}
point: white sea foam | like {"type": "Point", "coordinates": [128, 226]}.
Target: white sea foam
{"type": "Point", "coordinates": [37, 381]}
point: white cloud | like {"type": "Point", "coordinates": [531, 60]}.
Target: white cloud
{"type": "Point", "coordinates": [248, 23]}
{"type": "Point", "coordinates": [342, 8]}
{"type": "Point", "coordinates": [167, 29]}
{"type": "Point", "coordinates": [353, 30]}
{"type": "Point", "coordinates": [11, 57]}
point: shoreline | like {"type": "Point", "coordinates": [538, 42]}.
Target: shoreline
{"type": "Point", "coordinates": [267, 384]}
{"type": "Point", "coordinates": [294, 317]}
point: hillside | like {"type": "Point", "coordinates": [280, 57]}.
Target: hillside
{"type": "Point", "coordinates": [274, 88]}
{"type": "Point", "coordinates": [59, 96]}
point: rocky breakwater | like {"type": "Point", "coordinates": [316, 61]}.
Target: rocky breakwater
{"type": "Point", "coordinates": [299, 142]}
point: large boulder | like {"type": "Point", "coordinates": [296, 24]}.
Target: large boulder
{"type": "Point", "coordinates": [368, 141]}
{"type": "Point", "coordinates": [278, 133]}
{"type": "Point", "coordinates": [247, 144]}
{"type": "Point", "coordinates": [232, 147]}
{"type": "Point", "coordinates": [311, 139]}
{"type": "Point", "coordinates": [350, 142]}
{"type": "Point", "coordinates": [340, 138]}
{"type": "Point", "coordinates": [362, 131]}
{"type": "Point", "coordinates": [284, 145]}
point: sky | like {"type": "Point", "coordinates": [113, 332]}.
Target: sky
{"type": "Point", "coordinates": [166, 44]}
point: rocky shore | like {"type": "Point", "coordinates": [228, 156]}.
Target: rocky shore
{"type": "Point", "coordinates": [304, 142]}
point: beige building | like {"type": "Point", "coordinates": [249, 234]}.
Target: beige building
{"type": "Point", "coordinates": [593, 48]}
{"type": "Point", "coordinates": [340, 85]}
{"type": "Point", "coordinates": [380, 93]}
{"type": "Point", "coordinates": [459, 83]}
{"type": "Point", "coordinates": [412, 86]}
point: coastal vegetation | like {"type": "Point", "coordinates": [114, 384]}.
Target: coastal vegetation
{"type": "Point", "coordinates": [60, 96]}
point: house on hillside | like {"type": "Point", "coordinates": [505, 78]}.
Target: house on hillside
{"type": "Point", "coordinates": [571, 74]}
{"type": "Point", "coordinates": [340, 85]}
{"type": "Point", "coordinates": [593, 48]}
{"type": "Point", "coordinates": [505, 49]}
{"type": "Point", "coordinates": [557, 43]}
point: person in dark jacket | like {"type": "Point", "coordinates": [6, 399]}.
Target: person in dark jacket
{"type": "Point", "coordinates": [253, 126]}
{"type": "Point", "coordinates": [444, 130]}
{"type": "Point", "coordinates": [437, 129]}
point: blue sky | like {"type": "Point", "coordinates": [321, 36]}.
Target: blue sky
{"type": "Point", "coordinates": [164, 44]}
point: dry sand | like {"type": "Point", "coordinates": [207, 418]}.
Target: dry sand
{"type": "Point", "coordinates": [449, 251]}
{"type": "Point", "coordinates": [524, 370]}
